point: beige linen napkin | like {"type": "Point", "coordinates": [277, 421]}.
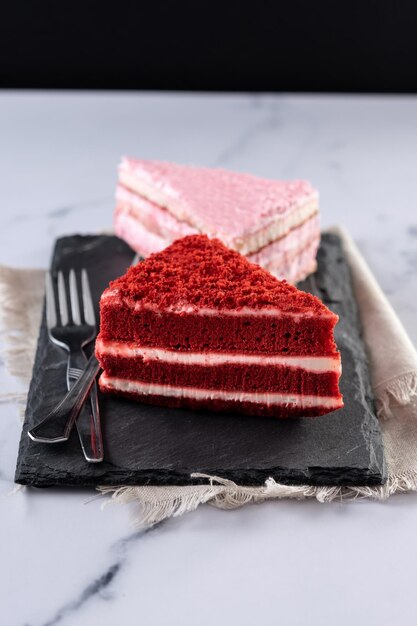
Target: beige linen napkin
{"type": "Point", "coordinates": [393, 362]}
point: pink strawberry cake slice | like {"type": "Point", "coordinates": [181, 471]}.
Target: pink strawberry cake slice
{"type": "Point", "coordinates": [274, 223]}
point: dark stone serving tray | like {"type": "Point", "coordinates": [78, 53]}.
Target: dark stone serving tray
{"type": "Point", "coordinates": [154, 445]}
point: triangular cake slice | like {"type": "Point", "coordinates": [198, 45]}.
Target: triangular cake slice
{"type": "Point", "coordinates": [199, 326]}
{"type": "Point", "coordinates": [158, 202]}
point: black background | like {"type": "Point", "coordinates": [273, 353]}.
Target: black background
{"type": "Point", "coordinates": [297, 45]}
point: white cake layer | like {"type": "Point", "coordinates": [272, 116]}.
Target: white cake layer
{"type": "Point", "coordinates": [112, 383]}
{"type": "Point", "coordinates": [317, 364]}
{"type": "Point", "coordinates": [112, 297]}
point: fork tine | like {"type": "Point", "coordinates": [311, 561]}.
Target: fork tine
{"type": "Point", "coordinates": [62, 298]}
{"type": "Point", "coordinates": [50, 301]}
{"type": "Point", "coordinates": [87, 299]}
{"type": "Point", "coordinates": [75, 303]}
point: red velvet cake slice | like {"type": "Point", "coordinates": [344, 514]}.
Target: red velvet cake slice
{"type": "Point", "coordinates": [197, 325]}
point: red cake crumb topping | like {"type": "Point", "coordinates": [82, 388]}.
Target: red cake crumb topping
{"type": "Point", "coordinates": [199, 272]}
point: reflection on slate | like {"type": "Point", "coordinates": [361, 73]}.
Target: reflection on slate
{"type": "Point", "coordinates": [152, 445]}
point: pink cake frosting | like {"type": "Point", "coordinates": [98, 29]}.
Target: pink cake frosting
{"type": "Point", "coordinates": [244, 211]}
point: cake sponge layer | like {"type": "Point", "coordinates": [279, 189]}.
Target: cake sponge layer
{"type": "Point", "coordinates": [251, 333]}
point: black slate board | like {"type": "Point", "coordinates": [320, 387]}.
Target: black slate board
{"type": "Point", "coordinates": [153, 445]}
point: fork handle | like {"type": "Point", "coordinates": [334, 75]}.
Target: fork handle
{"type": "Point", "coordinates": [57, 425]}
{"type": "Point", "coordinates": [88, 421]}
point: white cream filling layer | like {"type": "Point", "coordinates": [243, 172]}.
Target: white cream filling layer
{"type": "Point", "coordinates": [270, 399]}
{"type": "Point", "coordinates": [113, 296]}
{"type": "Point", "coordinates": [315, 364]}
{"type": "Point", "coordinates": [276, 230]}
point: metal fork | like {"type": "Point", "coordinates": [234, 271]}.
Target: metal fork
{"type": "Point", "coordinates": [73, 336]}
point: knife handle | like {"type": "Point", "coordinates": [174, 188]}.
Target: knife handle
{"type": "Point", "coordinates": [57, 425]}
{"type": "Point", "coordinates": [88, 421]}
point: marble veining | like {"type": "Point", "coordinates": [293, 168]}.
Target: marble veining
{"type": "Point", "coordinates": [64, 560]}
{"type": "Point", "coordinates": [101, 586]}
{"type": "Point", "coordinates": [98, 586]}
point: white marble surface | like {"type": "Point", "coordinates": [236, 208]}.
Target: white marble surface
{"type": "Point", "coordinates": [64, 560]}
